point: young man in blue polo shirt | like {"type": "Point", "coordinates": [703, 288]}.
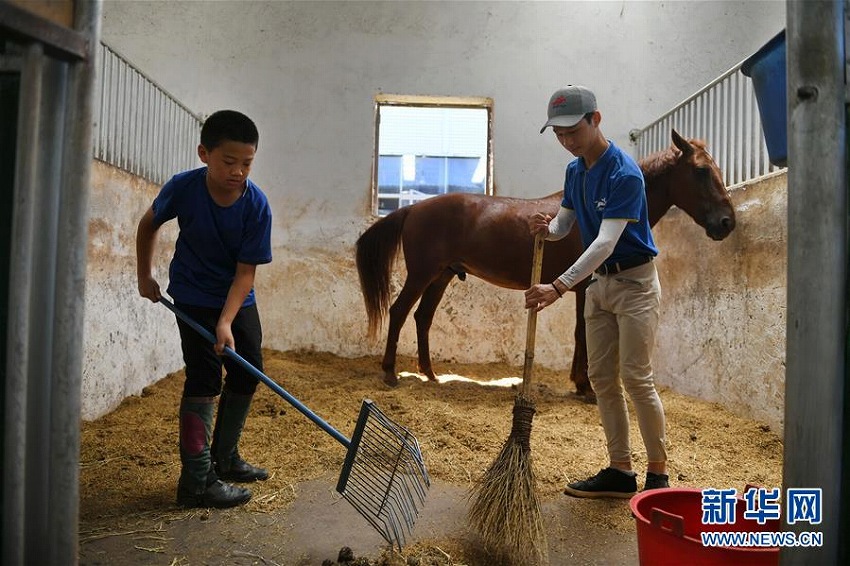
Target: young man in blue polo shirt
{"type": "Point", "coordinates": [604, 193]}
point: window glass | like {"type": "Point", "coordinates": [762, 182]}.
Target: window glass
{"type": "Point", "coordinates": [428, 149]}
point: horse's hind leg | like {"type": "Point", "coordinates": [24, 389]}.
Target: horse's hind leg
{"type": "Point", "coordinates": [399, 310]}
{"type": "Point", "coordinates": [424, 316]}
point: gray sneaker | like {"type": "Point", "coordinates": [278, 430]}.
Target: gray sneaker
{"type": "Point", "coordinates": [609, 482]}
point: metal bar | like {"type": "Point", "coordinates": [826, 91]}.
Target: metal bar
{"type": "Point", "coordinates": [169, 156]}
{"type": "Point", "coordinates": [96, 131]}
{"type": "Point", "coordinates": [112, 153]}
{"type": "Point", "coordinates": [816, 402]}
{"type": "Point", "coordinates": [69, 293]}
{"type": "Point", "coordinates": [51, 136]}
{"type": "Point", "coordinates": [352, 447]}
{"type": "Point", "coordinates": [135, 121]}
{"type": "Point", "coordinates": [746, 133]}
{"type": "Point", "coordinates": [122, 117]}
{"type": "Point", "coordinates": [736, 123]}
{"type": "Point", "coordinates": [22, 254]}
{"type": "Point", "coordinates": [144, 129]}
{"type": "Point", "coordinates": [156, 176]}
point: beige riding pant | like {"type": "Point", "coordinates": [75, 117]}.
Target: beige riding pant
{"type": "Point", "coordinates": [621, 318]}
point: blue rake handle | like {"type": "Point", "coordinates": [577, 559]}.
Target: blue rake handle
{"type": "Point", "coordinates": [260, 375]}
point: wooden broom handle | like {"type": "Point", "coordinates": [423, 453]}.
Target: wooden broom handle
{"type": "Point", "coordinates": [531, 328]}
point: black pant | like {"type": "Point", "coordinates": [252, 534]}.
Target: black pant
{"type": "Point", "coordinates": [203, 365]}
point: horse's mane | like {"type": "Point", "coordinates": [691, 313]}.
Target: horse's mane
{"type": "Point", "coordinates": [660, 161]}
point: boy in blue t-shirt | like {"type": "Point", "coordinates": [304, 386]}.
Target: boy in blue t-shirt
{"type": "Point", "coordinates": [225, 232]}
{"type": "Point", "coordinates": [604, 195]}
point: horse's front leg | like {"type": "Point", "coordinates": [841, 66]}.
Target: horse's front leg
{"type": "Point", "coordinates": [424, 317]}
{"type": "Point", "coordinates": [399, 310]}
{"type": "Point", "coordinates": [578, 371]}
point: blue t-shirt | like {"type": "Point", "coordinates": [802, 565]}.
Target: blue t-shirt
{"type": "Point", "coordinates": [212, 238]}
{"type": "Point", "coordinates": [612, 188]}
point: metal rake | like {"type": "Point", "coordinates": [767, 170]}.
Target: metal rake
{"type": "Point", "coordinates": [383, 476]}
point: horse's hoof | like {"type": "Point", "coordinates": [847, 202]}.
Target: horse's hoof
{"type": "Point", "coordinates": [391, 380]}
{"type": "Point", "coordinates": [428, 373]}
{"type": "Point", "coordinates": [590, 398]}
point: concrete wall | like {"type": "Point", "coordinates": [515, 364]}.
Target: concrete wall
{"type": "Point", "coordinates": [722, 330]}
{"type": "Point", "coordinates": [130, 342]}
{"type": "Point", "coordinates": [308, 72]}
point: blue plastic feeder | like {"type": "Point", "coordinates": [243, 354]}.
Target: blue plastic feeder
{"type": "Point", "coordinates": [766, 67]}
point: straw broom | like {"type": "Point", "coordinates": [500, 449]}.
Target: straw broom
{"type": "Point", "coordinates": [505, 510]}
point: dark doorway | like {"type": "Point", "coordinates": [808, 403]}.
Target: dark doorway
{"type": "Point", "coordinates": [9, 87]}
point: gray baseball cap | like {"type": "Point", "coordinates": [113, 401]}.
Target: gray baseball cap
{"type": "Point", "coordinates": [569, 105]}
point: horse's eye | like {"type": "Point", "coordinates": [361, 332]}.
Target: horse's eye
{"type": "Point", "coordinates": [703, 172]}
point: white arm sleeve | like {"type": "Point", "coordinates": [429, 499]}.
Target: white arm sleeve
{"type": "Point", "coordinates": [596, 253]}
{"type": "Point", "coordinates": [562, 223]}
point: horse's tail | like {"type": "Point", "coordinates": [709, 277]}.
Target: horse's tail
{"type": "Point", "coordinates": [377, 248]}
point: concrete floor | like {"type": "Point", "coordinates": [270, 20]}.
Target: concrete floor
{"type": "Point", "coordinates": [319, 523]}
{"type": "Point", "coordinates": [322, 523]}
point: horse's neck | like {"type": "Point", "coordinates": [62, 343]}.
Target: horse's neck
{"type": "Point", "coordinates": [657, 196]}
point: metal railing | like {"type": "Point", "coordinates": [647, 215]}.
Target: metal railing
{"type": "Point", "coordinates": [139, 127]}
{"type": "Point", "coordinates": [725, 114]}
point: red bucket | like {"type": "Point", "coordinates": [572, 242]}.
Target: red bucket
{"type": "Point", "coordinates": [669, 523]}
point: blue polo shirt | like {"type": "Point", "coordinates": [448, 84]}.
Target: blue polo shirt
{"type": "Point", "coordinates": [212, 238]}
{"type": "Point", "coordinates": [612, 188]}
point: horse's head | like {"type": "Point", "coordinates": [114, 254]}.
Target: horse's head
{"type": "Point", "coordinates": [695, 184]}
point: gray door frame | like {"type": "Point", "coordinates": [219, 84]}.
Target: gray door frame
{"type": "Point", "coordinates": [41, 428]}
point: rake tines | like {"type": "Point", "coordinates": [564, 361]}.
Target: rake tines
{"type": "Point", "coordinates": [384, 477]}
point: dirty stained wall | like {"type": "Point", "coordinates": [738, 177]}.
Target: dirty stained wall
{"type": "Point", "coordinates": [129, 342]}
{"type": "Point", "coordinates": [308, 72]}
{"type": "Point", "coordinates": [722, 329]}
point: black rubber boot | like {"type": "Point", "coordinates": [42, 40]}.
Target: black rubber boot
{"type": "Point", "coordinates": [198, 485]}
{"type": "Point", "coordinates": [229, 466]}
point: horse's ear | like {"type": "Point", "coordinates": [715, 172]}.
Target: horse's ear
{"type": "Point", "coordinates": [684, 145]}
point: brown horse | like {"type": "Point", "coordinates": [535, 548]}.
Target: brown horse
{"type": "Point", "coordinates": [455, 234]}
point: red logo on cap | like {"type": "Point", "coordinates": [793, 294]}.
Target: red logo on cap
{"type": "Point", "coordinates": [560, 100]}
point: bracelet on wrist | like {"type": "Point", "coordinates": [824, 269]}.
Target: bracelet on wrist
{"type": "Point", "coordinates": [560, 294]}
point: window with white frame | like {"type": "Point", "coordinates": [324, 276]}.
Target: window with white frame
{"type": "Point", "coordinates": [429, 146]}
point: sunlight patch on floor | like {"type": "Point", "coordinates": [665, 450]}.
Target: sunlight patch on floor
{"type": "Point", "coordinates": [447, 377]}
